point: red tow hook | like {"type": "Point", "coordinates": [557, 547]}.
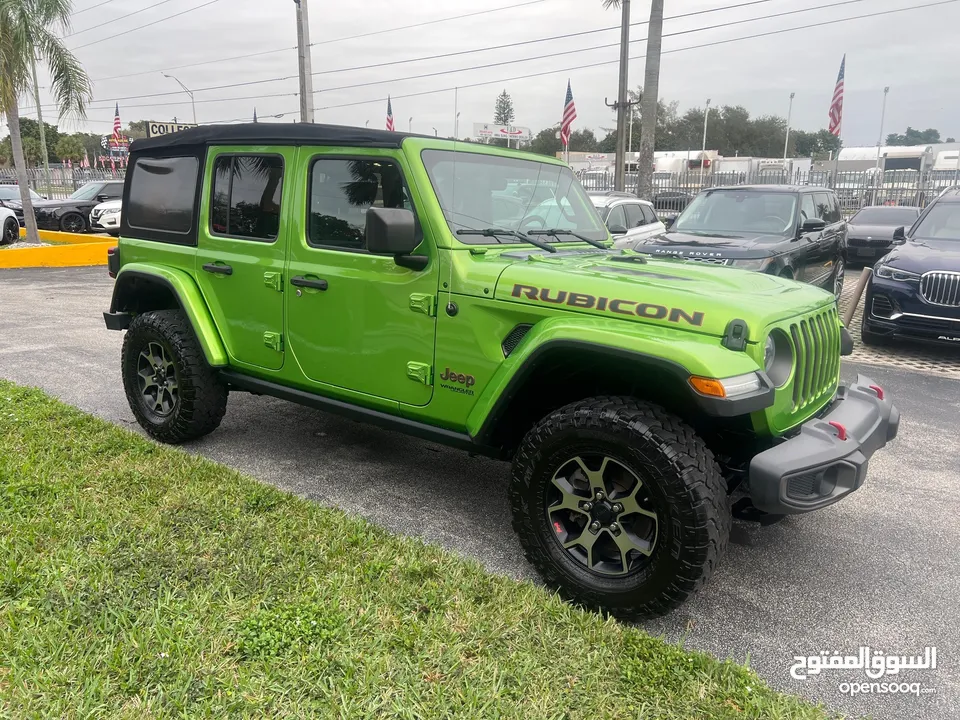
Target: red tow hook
{"type": "Point", "coordinates": [841, 430]}
{"type": "Point", "coordinates": [878, 390]}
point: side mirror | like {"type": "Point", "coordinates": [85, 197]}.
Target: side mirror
{"type": "Point", "coordinates": [900, 236]}
{"type": "Point", "coordinates": [393, 231]}
{"type": "Point", "coordinates": [617, 230]}
{"type": "Point", "coordinates": [669, 221]}
{"type": "Point", "coordinates": [813, 225]}
{"type": "Point", "coordinates": [102, 198]}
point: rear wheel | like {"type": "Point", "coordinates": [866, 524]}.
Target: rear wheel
{"type": "Point", "coordinates": [838, 277]}
{"type": "Point", "coordinates": [620, 505]}
{"type": "Point", "coordinates": [11, 232]}
{"type": "Point", "coordinates": [73, 223]}
{"type": "Point", "coordinates": [174, 394]}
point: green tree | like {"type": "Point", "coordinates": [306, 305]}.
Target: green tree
{"type": "Point", "coordinates": [69, 147]}
{"type": "Point", "coordinates": [817, 145]}
{"type": "Point", "coordinates": [914, 137]}
{"type": "Point", "coordinates": [503, 111]}
{"type": "Point", "coordinates": [32, 154]}
{"type": "Point", "coordinates": [136, 129]}
{"type": "Point", "coordinates": [546, 142]}
{"type": "Point", "coordinates": [30, 29]}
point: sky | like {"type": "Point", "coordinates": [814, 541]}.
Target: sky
{"type": "Point", "coordinates": [914, 52]}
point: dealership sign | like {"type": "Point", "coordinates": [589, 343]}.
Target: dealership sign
{"type": "Point", "coordinates": [158, 128]}
{"type": "Point", "coordinates": [485, 131]}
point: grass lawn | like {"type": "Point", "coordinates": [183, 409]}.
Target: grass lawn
{"type": "Point", "coordinates": [137, 581]}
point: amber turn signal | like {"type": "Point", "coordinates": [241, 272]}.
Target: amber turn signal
{"type": "Point", "coordinates": [708, 386]}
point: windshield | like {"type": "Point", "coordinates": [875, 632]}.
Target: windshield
{"type": "Point", "coordinates": [942, 222]}
{"type": "Point", "coordinates": [740, 211]}
{"type": "Point", "coordinates": [489, 191]}
{"type": "Point", "coordinates": [12, 192]}
{"type": "Point", "coordinates": [87, 192]}
{"type": "Point", "coordinates": [885, 216]}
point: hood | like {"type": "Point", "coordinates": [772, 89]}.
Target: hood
{"type": "Point", "coordinates": [722, 245]}
{"type": "Point", "coordinates": [57, 203]}
{"type": "Point", "coordinates": [874, 232]}
{"type": "Point", "coordinates": [671, 293]}
{"type": "Point", "coordinates": [920, 256]}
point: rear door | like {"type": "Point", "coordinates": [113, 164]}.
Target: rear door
{"type": "Point", "coordinates": [241, 249]}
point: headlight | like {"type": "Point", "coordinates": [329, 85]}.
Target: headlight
{"type": "Point", "coordinates": [751, 264]}
{"type": "Point", "coordinates": [110, 213]}
{"type": "Point", "coordinates": [891, 273]}
{"type": "Point", "coordinates": [778, 358]}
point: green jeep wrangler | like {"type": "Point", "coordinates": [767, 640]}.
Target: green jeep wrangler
{"type": "Point", "coordinates": [405, 281]}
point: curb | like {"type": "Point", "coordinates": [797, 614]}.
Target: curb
{"type": "Point", "coordinates": [67, 250]}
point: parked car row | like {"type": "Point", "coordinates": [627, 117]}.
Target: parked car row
{"type": "Point", "coordinates": [70, 215]}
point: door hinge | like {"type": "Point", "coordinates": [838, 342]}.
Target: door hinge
{"type": "Point", "coordinates": [420, 372]}
{"type": "Point", "coordinates": [273, 280]}
{"type": "Point", "coordinates": [422, 303]}
{"type": "Point", "coordinates": [273, 340]}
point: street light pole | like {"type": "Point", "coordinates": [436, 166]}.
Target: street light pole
{"type": "Point", "coordinates": [367, 124]}
{"type": "Point", "coordinates": [305, 62]}
{"type": "Point", "coordinates": [188, 92]}
{"type": "Point", "coordinates": [703, 149]}
{"type": "Point", "coordinates": [883, 114]}
{"type": "Point", "coordinates": [786, 143]}
{"type": "Point", "coordinates": [410, 124]}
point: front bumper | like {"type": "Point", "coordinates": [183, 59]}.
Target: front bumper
{"type": "Point", "coordinates": [896, 310]}
{"type": "Point", "coordinates": [107, 223]}
{"type": "Point", "coordinates": [815, 467]}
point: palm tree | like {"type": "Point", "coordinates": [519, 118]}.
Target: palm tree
{"type": "Point", "coordinates": [29, 28]}
{"type": "Point", "coordinates": [649, 102]}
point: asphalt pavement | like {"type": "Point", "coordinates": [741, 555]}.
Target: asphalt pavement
{"type": "Point", "coordinates": [880, 569]}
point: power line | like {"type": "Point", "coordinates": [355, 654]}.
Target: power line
{"type": "Point", "coordinates": [92, 7]}
{"type": "Point", "coordinates": [149, 24]}
{"type": "Point", "coordinates": [334, 40]}
{"type": "Point", "coordinates": [494, 64]}
{"type": "Point", "coordinates": [117, 19]}
{"type": "Point", "coordinates": [549, 72]}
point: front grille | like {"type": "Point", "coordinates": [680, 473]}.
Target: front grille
{"type": "Point", "coordinates": [712, 261]}
{"type": "Point", "coordinates": [941, 288]}
{"type": "Point", "coordinates": [863, 242]}
{"type": "Point", "coordinates": [881, 307]}
{"type": "Point", "coordinates": [95, 214]}
{"type": "Point", "coordinates": [816, 343]}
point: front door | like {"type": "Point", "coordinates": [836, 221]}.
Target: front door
{"type": "Point", "coordinates": [810, 249]}
{"type": "Point", "coordinates": [358, 321]}
{"type": "Point", "coordinates": [241, 246]}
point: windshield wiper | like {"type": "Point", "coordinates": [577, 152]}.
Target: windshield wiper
{"type": "Point", "coordinates": [556, 232]}
{"type": "Point", "coordinates": [493, 232]}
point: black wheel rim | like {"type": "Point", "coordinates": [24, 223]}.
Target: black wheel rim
{"type": "Point", "coordinates": [838, 280]}
{"type": "Point", "coordinates": [602, 515]}
{"type": "Point", "coordinates": [73, 223]}
{"type": "Point", "coordinates": [11, 232]}
{"type": "Point", "coordinates": [157, 378]}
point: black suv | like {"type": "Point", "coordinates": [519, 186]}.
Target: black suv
{"type": "Point", "coordinates": [73, 213]}
{"type": "Point", "coordinates": [791, 231]}
{"type": "Point", "coordinates": [914, 292]}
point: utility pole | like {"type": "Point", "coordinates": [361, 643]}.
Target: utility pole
{"type": "Point", "coordinates": [306, 66]}
{"type": "Point", "coordinates": [703, 151]}
{"type": "Point", "coordinates": [43, 135]}
{"type": "Point", "coordinates": [786, 143]}
{"type": "Point", "coordinates": [618, 178]}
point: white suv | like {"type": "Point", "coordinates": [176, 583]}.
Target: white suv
{"type": "Point", "coordinates": [105, 217]}
{"type": "Point", "coordinates": [627, 217]}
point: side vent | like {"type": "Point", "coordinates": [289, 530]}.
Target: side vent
{"type": "Point", "coordinates": [513, 339]}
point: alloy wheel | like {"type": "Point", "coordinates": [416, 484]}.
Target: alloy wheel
{"type": "Point", "coordinates": [73, 223]}
{"type": "Point", "coordinates": [602, 515]}
{"type": "Point", "coordinates": [838, 279]}
{"type": "Point", "coordinates": [157, 378]}
{"type": "Point", "coordinates": [11, 232]}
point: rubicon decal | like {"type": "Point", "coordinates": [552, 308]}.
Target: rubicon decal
{"type": "Point", "coordinates": [614, 305]}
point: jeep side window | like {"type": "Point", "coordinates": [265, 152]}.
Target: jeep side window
{"type": "Point", "coordinates": [161, 198]}
{"type": "Point", "coordinates": [341, 191]}
{"type": "Point", "coordinates": [246, 196]}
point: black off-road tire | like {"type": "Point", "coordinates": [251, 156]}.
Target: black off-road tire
{"type": "Point", "coordinates": [683, 481]}
{"type": "Point", "coordinates": [11, 232]}
{"type": "Point", "coordinates": [202, 396]}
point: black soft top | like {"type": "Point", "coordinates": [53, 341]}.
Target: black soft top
{"type": "Point", "coordinates": [273, 134]}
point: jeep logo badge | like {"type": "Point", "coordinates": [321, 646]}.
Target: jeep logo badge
{"type": "Point", "coordinates": [458, 382]}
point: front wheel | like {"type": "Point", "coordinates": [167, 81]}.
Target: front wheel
{"type": "Point", "coordinates": [73, 223]}
{"type": "Point", "coordinates": [838, 277]}
{"type": "Point", "coordinates": [620, 505]}
{"type": "Point", "coordinates": [174, 394]}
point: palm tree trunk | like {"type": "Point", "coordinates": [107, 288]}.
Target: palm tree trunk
{"type": "Point", "coordinates": [649, 102]}
{"type": "Point", "coordinates": [16, 142]}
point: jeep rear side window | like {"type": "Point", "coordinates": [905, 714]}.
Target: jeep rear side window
{"type": "Point", "coordinates": [161, 196]}
{"type": "Point", "coordinates": [341, 191]}
{"type": "Point", "coordinates": [246, 196]}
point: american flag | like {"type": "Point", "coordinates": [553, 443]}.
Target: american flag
{"type": "Point", "coordinates": [836, 107]}
{"type": "Point", "coordinates": [117, 128]}
{"type": "Point", "coordinates": [569, 115]}
{"type": "Point", "coordinates": [389, 114]}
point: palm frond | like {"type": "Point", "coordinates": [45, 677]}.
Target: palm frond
{"type": "Point", "coordinates": [70, 82]}
{"type": "Point", "coordinates": [607, 4]}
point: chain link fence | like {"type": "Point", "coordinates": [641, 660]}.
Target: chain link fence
{"type": "Point", "coordinates": [672, 191]}
{"type": "Point", "coordinates": [63, 181]}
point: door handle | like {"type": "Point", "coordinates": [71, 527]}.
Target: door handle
{"type": "Point", "coordinates": [316, 284]}
{"type": "Point", "coordinates": [218, 269]}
